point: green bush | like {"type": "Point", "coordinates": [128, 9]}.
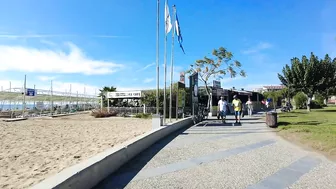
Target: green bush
{"type": "Point", "coordinates": [300, 99]}
{"type": "Point", "coordinates": [319, 99]}
{"type": "Point", "coordinates": [314, 104]}
{"type": "Point", "coordinates": [143, 116]}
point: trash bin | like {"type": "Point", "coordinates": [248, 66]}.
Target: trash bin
{"type": "Point", "coordinates": [161, 120]}
{"type": "Point", "coordinates": [272, 119]}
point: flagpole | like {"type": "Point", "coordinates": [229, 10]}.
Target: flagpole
{"type": "Point", "coordinates": [172, 68]}
{"type": "Point", "coordinates": [165, 78]}
{"type": "Point", "coordinates": [157, 56]}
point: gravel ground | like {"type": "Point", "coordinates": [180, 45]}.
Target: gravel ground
{"type": "Point", "coordinates": [234, 172]}
{"type": "Point", "coordinates": [322, 177]}
{"type": "Point", "coordinates": [171, 155]}
{"type": "Point", "coordinates": [219, 157]}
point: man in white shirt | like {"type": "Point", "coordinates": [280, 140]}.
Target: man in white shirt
{"type": "Point", "coordinates": [222, 108]}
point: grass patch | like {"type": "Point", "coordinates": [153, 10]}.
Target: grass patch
{"type": "Point", "coordinates": [143, 116]}
{"type": "Point", "coordinates": [316, 129]}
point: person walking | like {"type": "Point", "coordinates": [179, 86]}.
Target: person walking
{"type": "Point", "coordinates": [237, 106]}
{"type": "Point", "coordinates": [249, 107]}
{"type": "Point", "coordinates": [222, 108]}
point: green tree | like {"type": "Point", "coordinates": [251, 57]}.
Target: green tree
{"type": "Point", "coordinates": [103, 93]}
{"type": "Point", "coordinates": [216, 67]}
{"type": "Point", "coordinates": [304, 75]}
{"type": "Point", "coordinates": [288, 93]}
{"type": "Point", "coordinates": [149, 96]}
{"type": "Point", "coordinates": [328, 82]}
{"type": "Point", "coordinates": [300, 99]}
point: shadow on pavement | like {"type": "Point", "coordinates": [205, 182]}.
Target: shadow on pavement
{"type": "Point", "coordinates": [128, 171]}
{"type": "Point", "coordinates": [218, 124]}
{"type": "Point", "coordinates": [255, 122]}
{"type": "Point", "coordinates": [226, 133]}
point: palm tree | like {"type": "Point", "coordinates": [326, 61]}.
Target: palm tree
{"type": "Point", "coordinates": [103, 93]}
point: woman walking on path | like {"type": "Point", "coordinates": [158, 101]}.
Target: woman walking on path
{"type": "Point", "coordinates": [249, 107]}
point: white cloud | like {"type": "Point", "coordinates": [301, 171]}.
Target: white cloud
{"type": "Point", "coordinates": [46, 42]}
{"type": "Point", "coordinates": [146, 67]}
{"type": "Point", "coordinates": [259, 47]}
{"type": "Point", "coordinates": [26, 36]}
{"type": "Point", "coordinates": [26, 59]}
{"type": "Point", "coordinates": [6, 84]}
{"type": "Point", "coordinates": [46, 78]}
{"type": "Point", "coordinates": [148, 80]}
{"type": "Point", "coordinates": [11, 36]}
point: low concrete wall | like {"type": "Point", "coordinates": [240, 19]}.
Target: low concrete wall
{"type": "Point", "coordinates": [89, 173]}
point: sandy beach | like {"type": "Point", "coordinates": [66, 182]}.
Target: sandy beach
{"type": "Point", "coordinates": [35, 149]}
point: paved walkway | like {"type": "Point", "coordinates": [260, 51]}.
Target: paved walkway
{"type": "Point", "coordinates": [214, 155]}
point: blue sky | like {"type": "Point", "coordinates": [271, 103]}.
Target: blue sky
{"type": "Point", "coordinates": [113, 42]}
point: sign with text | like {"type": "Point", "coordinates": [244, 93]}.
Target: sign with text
{"type": "Point", "coordinates": [30, 92]}
{"type": "Point", "coordinates": [128, 94]}
{"type": "Point", "coordinates": [216, 84]}
{"type": "Point", "coordinates": [193, 85]}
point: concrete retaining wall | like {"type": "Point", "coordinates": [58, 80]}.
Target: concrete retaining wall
{"type": "Point", "coordinates": [89, 173]}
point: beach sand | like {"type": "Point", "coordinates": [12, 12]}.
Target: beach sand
{"type": "Point", "coordinates": [35, 149]}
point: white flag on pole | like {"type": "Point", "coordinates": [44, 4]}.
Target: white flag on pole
{"type": "Point", "coordinates": [168, 25]}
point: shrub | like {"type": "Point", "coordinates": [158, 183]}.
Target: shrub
{"type": "Point", "coordinates": [103, 113]}
{"type": "Point", "coordinates": [144, 116]}
{"type": "Point", "coordinates": [315, 105]}
{"type": "Point", "coordinates": [319, 99]}
{"type": "Point", "coordinates": [300, 100]}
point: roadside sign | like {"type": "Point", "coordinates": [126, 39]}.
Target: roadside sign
{"type": "Point", "coordinates": [31, 92]}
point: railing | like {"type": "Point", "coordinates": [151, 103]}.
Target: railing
{"type": "Point", "coordinates": [149, 110]}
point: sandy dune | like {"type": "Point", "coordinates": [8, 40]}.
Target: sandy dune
{"type": "Point", "coordinates": [34, 149]}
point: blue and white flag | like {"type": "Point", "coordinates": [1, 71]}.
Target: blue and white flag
{"type": "Point", "coordinates": [178, 32]}
{"type": "Point", "coordinates": [168, 24]}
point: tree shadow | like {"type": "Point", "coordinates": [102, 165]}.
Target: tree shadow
{"type": "Point", "coordinates": [218, 124]}
{"type": "Point", "coordinates": [284, 123]}
{"type": "Point", "coordinates": [288, 116]}
{"type": "Point", "coordinates": [227, 133]}
{"type": "Point", "coordinates": [121, 177]}
{"type": "Point", "coordinates": [256, 122]}
{"type": "Point", "coordinates": [327, 110]}
{"type": "Point", "coordinates": [296, 112]}
{"type": "Point", "coordinates": [307, 123]}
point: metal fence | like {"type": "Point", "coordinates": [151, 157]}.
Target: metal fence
{"type": "Point", "coordinates": [15, 102]}
{"type": "Point", "coordinates": [148, 110]}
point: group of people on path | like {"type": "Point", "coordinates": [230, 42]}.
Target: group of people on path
{"type": "Point", "coordinates": [224, 109]}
